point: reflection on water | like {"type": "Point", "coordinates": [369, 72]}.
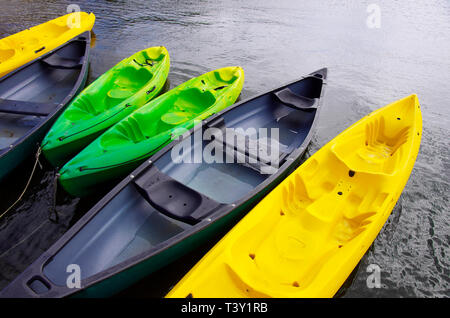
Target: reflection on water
{"type": "Point", "coordinates": [275, 42]}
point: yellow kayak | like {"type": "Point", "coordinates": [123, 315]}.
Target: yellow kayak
{"type": "Point", "coordinates": [305, 237]}
{"type": "Point", "coordinates": [27, 45]}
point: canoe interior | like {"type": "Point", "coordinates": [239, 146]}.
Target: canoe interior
{"type": "Point", "coordinates": [229, 182]}
{"type": "Point", "coordinates": [29, 95]}
{"type": "Point", "coordinates": [126, 226]}
{"type": "Point", "coordinates": [137, 219]}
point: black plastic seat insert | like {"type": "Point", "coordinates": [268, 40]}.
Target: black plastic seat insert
{"type": "Point", "coordinates": [289, 98]}
{"type": "Point", "coordinates": [173, 198]}
{"type": "Point", "coordinates": [57, 61]}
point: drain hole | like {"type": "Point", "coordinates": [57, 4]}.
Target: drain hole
{"type": "Point", "coordinates": [295, 284]}
{"type": "Point", "coordinates": [340, 193]}
{"type": "Point", "coordinates": [351, 173]}
{"type": "Point", "coordinates": [252, 256]}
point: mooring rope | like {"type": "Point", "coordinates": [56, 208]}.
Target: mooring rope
{"type": "Point", "coordinates": [55, 188]}
{"type": "Point", "coordinates": [38, 153]}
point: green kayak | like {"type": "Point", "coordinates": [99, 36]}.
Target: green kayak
{"type": "Point", "coordinates": [138, 136]}
{"type": "Point", "coordinates": [121, 90]}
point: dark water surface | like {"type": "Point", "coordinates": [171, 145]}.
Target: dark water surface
{"type": "Point", "coordinates": [275, 42]}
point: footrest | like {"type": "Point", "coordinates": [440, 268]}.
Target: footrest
{"type": "Point", "coordinates": [26, 108]}
{"type": "Point", "coordinates": [289, 98]}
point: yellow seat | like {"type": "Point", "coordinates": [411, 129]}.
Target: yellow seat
{"type": "Point", "coordinates": [27, 45]}
{"type": "Point", "coordinates": [306, 236]}
{"type": "Point", "coordinates": [377, 151]}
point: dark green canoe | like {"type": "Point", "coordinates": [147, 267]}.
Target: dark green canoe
{"type": "Point", "coordinates": [33, 96]}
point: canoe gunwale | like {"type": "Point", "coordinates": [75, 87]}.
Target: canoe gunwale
{"type": "Point", "coordinates": [83, 37]}
{"type": "Point", "coordinates": [19, 288]}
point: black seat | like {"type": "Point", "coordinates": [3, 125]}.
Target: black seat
{"type": "Point", "coordinates": [173, 198]}
{"type": "Point", "coordinates": [57, 61]}
{"type": "Point", "coordinates": [289, 98]}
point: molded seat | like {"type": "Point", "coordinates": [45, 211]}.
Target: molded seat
{"type": "Point", "coordinates": [57, 61]}
{"type": "Point", "coordinates": [227, 75]}
{"type": "Point", "coordinates": [175, 118]}
{"type": "Point", "coordinates": [289, 98]}
{"type": "Point", "coordinates": [373, 151]}
{"type": "Point", "coordinates": [6, 54]}
{"type": "Point", "coordinates": [174, 198]}
{"type": "Point", "coordinates": [119, 93]}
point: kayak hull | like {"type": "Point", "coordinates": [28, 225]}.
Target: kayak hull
{"type": "Point", "coordinates": [24, 141]}
{"type": "Point", "coordinates": [27, 45]}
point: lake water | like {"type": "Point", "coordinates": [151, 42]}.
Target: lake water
{"type": "Point", "coordinates": [275, 42]}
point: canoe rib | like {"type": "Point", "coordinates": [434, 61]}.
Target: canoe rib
{"type": "Point", "coordinates": [26, 108]}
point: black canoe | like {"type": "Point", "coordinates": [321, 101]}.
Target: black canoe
{"type": "Point", "coordinates": [165, 209]}
{"type": "Point", "coordinates": [33, 96]}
